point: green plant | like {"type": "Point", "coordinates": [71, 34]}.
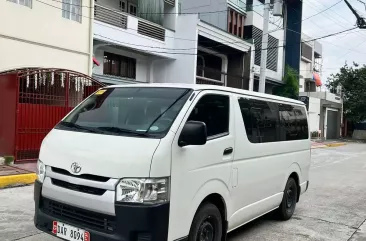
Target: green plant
{"type": "Point", "coordinates": [314, 134]}
{"type": "Point", "coordinates": [351, 80]}
{"type": "Point", "coordinates": [290, 89]}
{"type": "Point", "coordinates": [9, 160]}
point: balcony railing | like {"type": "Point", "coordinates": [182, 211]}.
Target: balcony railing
{"type": "Point", "coordinates": [112, 17]}
{"type": "Point", "coordinates": [171, 2]}
{"type": "Point", "coordinates": [239, 4]}
{"type": "Point", "coordinates": [211, 76]}
{"type": "Point", "coordinates": [119, 19]}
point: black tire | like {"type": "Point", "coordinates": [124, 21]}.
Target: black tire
{"type": "Point", "coordinates": [289, 200]}
{"type": "Point", "coordinates": [207, 224]}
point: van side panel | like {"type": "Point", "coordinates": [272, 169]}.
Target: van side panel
{"type": "Point", "coordinates": [263, 170]}
{"type": "Point", "coordinates": [198, 171]}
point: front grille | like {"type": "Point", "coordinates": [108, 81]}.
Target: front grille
{"type": "Point", "coordinates": [79, 217]}
{"type": "Point", "coordinates": [83, 176]}
{"type": "Point", "coordinates": [79, 188]}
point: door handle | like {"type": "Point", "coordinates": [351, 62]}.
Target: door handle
{"type": "Point", "coordinates": [228, 151]}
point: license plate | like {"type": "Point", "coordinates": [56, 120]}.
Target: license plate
{"type": "Point", "coordinates": [70, 233]}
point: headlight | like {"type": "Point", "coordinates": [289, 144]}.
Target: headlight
{"type": "Point", "coordinates": [144, 190]}
{"type": "Point", "coordinates": [41, 171]}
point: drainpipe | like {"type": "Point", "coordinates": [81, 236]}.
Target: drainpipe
{"type": "Point", "coordinates": [91, 24]}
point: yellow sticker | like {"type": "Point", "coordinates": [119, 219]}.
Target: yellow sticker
{"type": "Point", "coordinates": [100, 92]}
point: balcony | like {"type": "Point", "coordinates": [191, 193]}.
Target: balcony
{"type": "Point", "coordinates": [120, 19]}
{"type": "Point", "coordinates": [238, 4]}
{"type": "Point", "coordinates": [210, 76]}
{"type": "Point", "coordinates": [120, 28]}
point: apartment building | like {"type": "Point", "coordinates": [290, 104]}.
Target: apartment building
{"type": "Point", "coordinates": [275, 52]}
{"type": "Point", "coordinates": [50, 34]}
{"type": "Point", "coordinates": [324, 108]}
{"type": "Point", "coordinates": [150, 41]}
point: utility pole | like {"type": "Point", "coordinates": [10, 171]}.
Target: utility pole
{"type": "Point", "coordinates": [262, 76]}
{"type": "Point", "coordinates": [361, 23]}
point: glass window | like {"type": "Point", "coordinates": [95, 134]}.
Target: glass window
{"type": "Point", "coordinates": [128, 111]}
{"type": "Point", "coordinates": [260, 120]}
{"type": "Point", "coordinates": [27, 3]}
{"type": "Point", "coordinates": [213, 110]}
{"type": "Point", "coordinates": [267, 121]}
{"type": "Point", "coordinates": [119, 65]}
{"type": "Point", "coordinates": [72, 9]}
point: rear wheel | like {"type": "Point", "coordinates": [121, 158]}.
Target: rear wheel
{"type": "Point", "coordinates": [288, 204]}
{"type": "Point", "coordinates": [207, 224]}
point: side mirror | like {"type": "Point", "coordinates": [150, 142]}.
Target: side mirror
{"type": "Point", "coordinates": [194, 133]}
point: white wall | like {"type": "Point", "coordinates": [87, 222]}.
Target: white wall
{"type": "Point", "coordinates": [217, 8]}
{"type": "Point", "coordinates": [314, 114]}
{"type": "Point", "coordinates": [256, 20]}
{"type": "Point", "coordinates": [306, 69]}
{"type": "Point", "coordinates": [41, 37]}
{"type": "Point", "coordinates": [183, 68]}
{"type": "Point", "coordinates": [142, 62]}
{"type": "Point", "coordinates": [131, 39]}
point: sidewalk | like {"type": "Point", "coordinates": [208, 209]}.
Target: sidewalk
{"type": "Point", "coordinates": [17, 174]}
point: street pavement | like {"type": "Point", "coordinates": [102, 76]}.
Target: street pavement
{"type": "Point", "coordinates": [334, 208]}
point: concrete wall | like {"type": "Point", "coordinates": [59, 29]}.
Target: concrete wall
{"type": "Point", "coordinates": [183, 68]}
{"type": "Point", "coordinates": [314, 114]}
{"type": "Point", "coordinates": [27, 37]}
{"type": "Point", "coordinates": [218, 19]}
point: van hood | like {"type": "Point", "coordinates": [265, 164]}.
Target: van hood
{"type": "Point", "coordinates": [98, 154]}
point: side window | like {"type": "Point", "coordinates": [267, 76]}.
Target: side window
{"type": "Point", "coordinates": [213, 110]}
{"type": "Point", "coordinates": [260, 120]}
{"type": "Point", "coordinates": [294, 123]}
{"type": "Point", "coordinates": [267, 121]}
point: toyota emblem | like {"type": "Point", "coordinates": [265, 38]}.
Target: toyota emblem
{"type": "Point", "coordinates": [75, 168]}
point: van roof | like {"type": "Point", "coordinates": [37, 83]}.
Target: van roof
{"type": "Point", "coordinates": [210, 87]}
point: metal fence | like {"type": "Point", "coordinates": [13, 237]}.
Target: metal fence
{"type": "Point", "coordinates": [42, 98]}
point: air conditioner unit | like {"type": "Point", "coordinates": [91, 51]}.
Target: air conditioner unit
{"type": "Point", "coordinates": [277, 8]}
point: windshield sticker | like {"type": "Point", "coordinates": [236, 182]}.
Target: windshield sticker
{"type": "Point", "coordinates": [100, 92]}
{"type": "Point", "coordinates": [154, 128]}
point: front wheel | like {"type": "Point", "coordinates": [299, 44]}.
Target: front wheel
{"type": "Point", "coordinates": [207, 224]}
{"type": "Point", "coordinates": [288, 204]}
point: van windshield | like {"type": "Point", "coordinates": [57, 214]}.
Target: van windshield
{"type": "Point", "coordinates": [128, 111]}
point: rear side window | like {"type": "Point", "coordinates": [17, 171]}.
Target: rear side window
{"type": "Point", "coordinates": [267, 121]}
{"type": "Point", "coordinates": [213, 110]}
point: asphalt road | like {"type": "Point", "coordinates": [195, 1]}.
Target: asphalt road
{"type": "Point", "coordinates": [334, 208]}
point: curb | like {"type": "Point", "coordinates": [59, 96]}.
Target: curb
{"type": "Point", "coordinates": [17, 180]}
{"type": "Point", "coordinates": [336, 144]}
{"type": "Point", "coordinates": [329, 145]}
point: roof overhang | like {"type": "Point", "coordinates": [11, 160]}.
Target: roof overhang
{"type": "Point", "coordinates": [208, 31]}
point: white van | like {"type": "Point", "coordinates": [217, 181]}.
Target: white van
{"type": "Point", "coordinates": [171, 162]}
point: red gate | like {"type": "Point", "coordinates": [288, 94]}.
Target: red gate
{"type": "Point", "coordinates": [32, 102]}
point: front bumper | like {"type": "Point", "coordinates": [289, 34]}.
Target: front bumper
{"type": "Point", "coordinates": [131, 222]}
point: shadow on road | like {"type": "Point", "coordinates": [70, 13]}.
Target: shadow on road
{"type": "Point", "coordinates": [247, 229]}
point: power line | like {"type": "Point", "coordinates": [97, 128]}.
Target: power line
{"type": "Point", "coordinates": [322, 11]}
{"type": "Point", "coordinates": [181, 53]}
{"type": "Point", "coordinates": [329, 35]}
{"type": "Point", "coordinates": [330, 17]}
{"type": "Point", "coordinates": [86, 6]}
{"type": "Point", "coordinates": [118, 29]}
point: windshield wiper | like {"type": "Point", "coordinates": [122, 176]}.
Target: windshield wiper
{"type": "Point", "coordinates": [121, 130]}
{"type": "Point", "coordinates": [79, 127]}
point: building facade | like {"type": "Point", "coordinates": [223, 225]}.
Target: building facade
{"type": "Point", "coordinates": [151, 42]}
{"type": "Point", "coordinates": [52, 34]}
{"type": "Point", "coordinates": [324, 108]}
